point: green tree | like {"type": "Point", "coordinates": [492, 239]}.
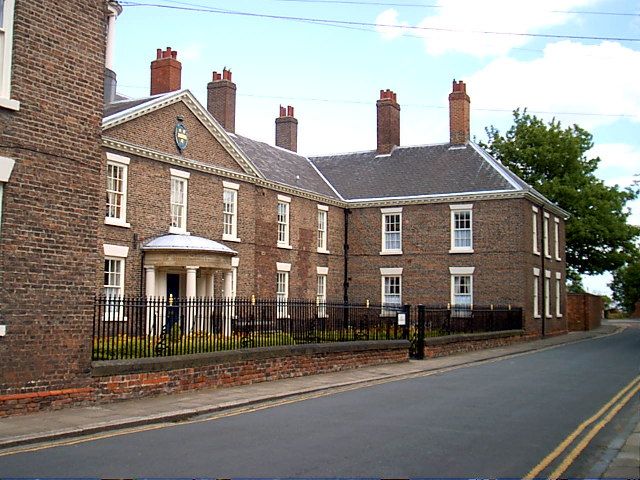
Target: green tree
{"type": "Point", "coordinates": [553, 160]}
{"type": "Point", "coordinates": [626, 285]}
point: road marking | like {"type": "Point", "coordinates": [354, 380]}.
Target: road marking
{"type": "Point", "coordinates": [594, 431]}
{"type": "Point", "coordinates": [632, 386]}
{"type": "Point", "coordinates": [204, 417]}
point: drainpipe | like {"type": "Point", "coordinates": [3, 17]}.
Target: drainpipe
{"type": "Point", "coordinates": [542, 272]}
{"type": "Point", "coordinates": [345, 284]}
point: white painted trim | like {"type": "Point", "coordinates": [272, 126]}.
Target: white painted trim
{"type": "Point", "coordinates": [496, 165]}
{"type": "Point", "coordinates": [546, 215]}
{"type": "Point", "coordinates": [536, 271]}
{"type": "Point", "coordinates": [462, 270]}
{"type": "Point", "coordinates": [231, 185]}
{"type": "Point", "coordinates": [118, 251]}
{"type": "Point", "coordinates": [179, 231]}
{"type": "Point", "coordinates": [116, 222]}
{"type": "Point", "coordinates": [283, 267]}
{"type": "Point", "coordinates": [322, 270]}
{"type": "Point", "coordinates": [391, 210]}
{"type": "Point", "coordinates": [235, 262]}
{"type": "Point", "coordinates": [179, 173]}
{"type": "Point", "coordinates": [6, 167]}
{"type": "Point", "coordinates": [534, 208]}
{"type": "Point", "coordinates": [558, 275]}
{"type": "Point", "coordinates": [388, 272]}
{"type": "Point", "coordinates": [6, 59]}
{"type": "Point", "coordinates": [284, 198]}
{"type": "Point", "coordinates": [10, 104]}
{"type": "Point", "coordinates": [114, 157]}
{"type": "Point", "coordinates": [324, 208]}
{"type": "Point", "coordinates": [547, 273]}
{"type": "Point", "coordinates": [464, 206]}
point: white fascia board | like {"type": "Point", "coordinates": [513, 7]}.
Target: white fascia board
{"type": "Point", "coordinates": [496, 165]}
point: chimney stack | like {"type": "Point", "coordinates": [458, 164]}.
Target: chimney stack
{"type": "Point", "coordinates": [459, 119]}
{"type": "Point", "coordinates": [221, 100]}
{"type": "Point", "coordinates": [166, 72]}
{"type": "Point", "coordinates": [388, 122]}
{"type": "Point", "coordinates": [287, 129]}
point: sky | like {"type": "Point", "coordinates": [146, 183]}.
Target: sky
{"type": "Point", "coordinates": [577, 61]}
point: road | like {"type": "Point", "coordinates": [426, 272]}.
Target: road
{"type": "Point", "coordinates": [496, 419]}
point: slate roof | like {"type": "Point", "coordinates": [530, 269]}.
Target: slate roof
{"type": "Point", "coordinates": [416, 171]}
{"type": "Point", "coordinates": [283, 166]}
{"type": "Point", "coordinates": [125, 104]}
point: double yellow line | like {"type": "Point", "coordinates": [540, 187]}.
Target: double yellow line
{"type": "Point", "coordinates": [604, 415]}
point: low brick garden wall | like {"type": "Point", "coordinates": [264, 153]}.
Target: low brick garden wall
{"type": "Point", "coordinates": [125, 379]}
{"type": "Point", "coordinates": [468, 342]}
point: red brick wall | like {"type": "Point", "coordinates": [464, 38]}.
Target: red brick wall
{"type": "Point", "coordinates": [48, 245]}
{"type": "Point", "coordinates": [456, 344]}
{"type": "Point", "coordinates": [584, 311]}
{"type": "Point", "coordinates": [503, 258]}
{"type": "Point", "coordinates": [223, 369]}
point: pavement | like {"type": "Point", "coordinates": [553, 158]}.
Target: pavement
{"type": "Point", "coordinates": [85, 420]}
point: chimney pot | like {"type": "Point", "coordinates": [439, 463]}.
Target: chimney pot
{"type": "Point", "coordinates": [388, 121]}
{"type": "Point", "coordinates": [221, 99]}
{"type": "Point", "coordinates": [287, 129]}
{"type": "Point", "coordinates": [459, 114]}
{"type": "Point", "coordinates": [166, 72]}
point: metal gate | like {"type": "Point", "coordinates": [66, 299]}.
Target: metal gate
{"type": "Point", "coordinates": [414, 330]}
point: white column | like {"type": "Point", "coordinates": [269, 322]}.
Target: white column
{"type": "Point", "coordinates": [150, 280]}
{"type": "Point", "coordinates": [191, 282]}
{"type": "Point", "coordinates": [209, 280]}
{"type": "Point", "coordinates": [228, 279]}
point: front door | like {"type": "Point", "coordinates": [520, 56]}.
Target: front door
{"type": "Point", "coordinates": [173, 293]}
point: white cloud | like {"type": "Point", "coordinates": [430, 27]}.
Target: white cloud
{"type": "Point", "coordinates": [468, 16]}
{"type": "Point", "coordinates": [191, 52]}
{"type": "Point", "coordinates": [389, 17]}
{"type": "Point", "coordinates": [619, 162]}
{"type": "Point", "coordinates": [564, 80]}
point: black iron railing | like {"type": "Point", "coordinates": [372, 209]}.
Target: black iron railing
{"type": "Point", "coordinates": [126, 327]}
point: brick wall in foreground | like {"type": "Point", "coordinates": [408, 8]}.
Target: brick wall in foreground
{"type": "Point", "coordinates": [121, 380]}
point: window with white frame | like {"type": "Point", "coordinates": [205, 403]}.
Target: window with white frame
{"type": "Point", "coordinates": [391, 289]}
{"type": "Point", "coordinates": [6, 167]}
{"type": "Point", "coordinates": [6, 48]}
{"type": "Point", "coordinates": [116, 201]}
{"type": "Point", "coordinates": [323, 212]}
{"type": "Point", "coordinates": [556, 237]}
{"type": "Point", "coordinates": [534, 229]}
{"type": "Point", "coordinates": [536, 292]}
{"type": "Point", "coordinates": [547, 294]}
{"type": "Point", "coordinates": [391, 231]}
{"type": "Point", "coordinates": [283, 221]}
{"type": "Point", "coordinates": [114, 258]}
{"type": "Point", "coordinates": [461, 228]}
{"type": "Point", "coordinates": [462, 289]}
{"type": "Point", "coordinates": [558, 297]}
{"type": "Point", "coordinates": [282, 288]}
{"type": "Point", "coordinates": [321, 291]}
{"type": "Point", "coordinates": [179, 181]}
{"type": "Point", "coordinates": [545, 235]}
{"type": "Point", "coordinates": [230, 211]}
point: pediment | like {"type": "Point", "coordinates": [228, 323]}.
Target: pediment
{"type": "Point", "coordinates": [151, 126]}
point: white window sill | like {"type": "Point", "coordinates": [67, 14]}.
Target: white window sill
{"type": "Point", "coordinates": [558, 259]}
{"type": "Point", "coordinates": [558, 315]}
{"type": "Point", "coordinates": [287, 247]}
{"type": "Point", "coordinates": [229, 238]}
{"type": "Point", "coordinates": [537, 316]}
{"type": "Point", "coordinates": [549, 316]}
{"type": "Point", "coordinates": [536, 253]}
{"type": "Point", "coordinates": [9, 104]}
{"type": "Point", "coordinates": [391, 252]}
{"type": "Point", "coordinates": [548, 256]}
{"type": "Point", "coordinates": [461, 250]}
{"type": "Point", "coordinates": [178, 231]}
{"type": "Point", "coordinates": [116, 222]}
{"type": "Point", "coordinates": [322, 250]}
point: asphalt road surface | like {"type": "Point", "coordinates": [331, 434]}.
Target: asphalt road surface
{"type": "Point", "coordinates": [497, 419]}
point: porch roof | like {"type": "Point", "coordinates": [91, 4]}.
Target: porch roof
{"type": "Point", "coordinates": [191, 243]}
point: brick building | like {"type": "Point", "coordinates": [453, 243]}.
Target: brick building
{"type": "Point", "coordinates": [159, 196]}
{"type": "Point", "coordinates": [51, 102]}
{"type": "Point", "coordinates": [194, 209]}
